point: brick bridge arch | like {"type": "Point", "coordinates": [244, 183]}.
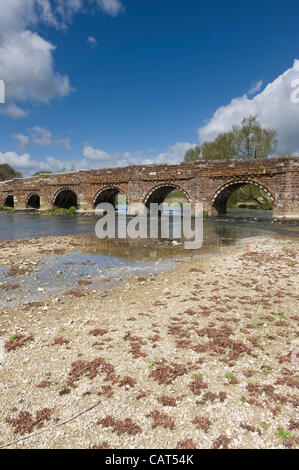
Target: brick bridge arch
{"type": "Point", "coordinates": [202, 181]}
{"type": "Point", "coordinates": [159, 192]}
{"type": "Point", "coordinates": [65, 197]}
{"type": "Point", "coordinates": [107, 194]}
{"type": "Point", "coordinates": [33, 201]}
{"type": "Point", "coordinates": [9, 200]}
{"type": "Point", "coordinates": [223, 194]}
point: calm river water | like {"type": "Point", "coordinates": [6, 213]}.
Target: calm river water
{"type": "Point", "coordinates": [237, 224]}
{"type": "Point", "coordinates": [106, 263]}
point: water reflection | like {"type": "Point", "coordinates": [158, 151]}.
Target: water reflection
{"type": "Point", "coordinates": [105, 263]}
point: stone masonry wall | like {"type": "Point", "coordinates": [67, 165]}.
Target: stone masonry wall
{"type": "Point", "coordinates": [202, 181]}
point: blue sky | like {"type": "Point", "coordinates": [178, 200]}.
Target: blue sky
{"type": "Point", "coordinates": [97, 83]}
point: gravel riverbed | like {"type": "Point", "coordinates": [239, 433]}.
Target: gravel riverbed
{"type": "Point", "coordinates": [202, 356]}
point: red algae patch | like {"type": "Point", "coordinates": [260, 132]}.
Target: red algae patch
{"type": "Point", "coordinates": [17, 341]}
{"type": "Point", "coordinates": [202, 356]}
{"type": "Point", "coordinates": [25, 422]}
{"type": "Point", "coordinates": [221, 442]}
{"type": "Point", "coordinates": [186, 444]}
{"type": "Point", "coordinates": [119, 426]}
{"type": "Point", "coordinates": [202, 422]}
{"type": "Point", "coordinates": [161, 419]}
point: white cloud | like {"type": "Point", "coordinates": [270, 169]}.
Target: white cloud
{"type": "Point", "coordinates": [26, 66]}
{"type": "Point", "coordinates": [112, 7]}
{"type": "Point", "coordinates": [18, 162]}
{"type": "Point", "coordinates": [104, 159]}
{"type": "Point", "coordinates": [255, 88]}
{"type": "Point", "coordinates": [273, 108]}
{"type": "Point", "coordinates": [28, 166]}
{"type": "Point", "coordinates": [95, 154]}
{"type": "Point", "coordinates": [92, 42]}
{"type": "Point", "coordinates": [92, 158]}
{"type": "Point", "coordinates": [22, 140]}
{"type": "Point", "coordinates": [66, 143]}
{"type": "Point", "coordinates": [13, 111]}
{"type": "Point", "coordinates": [41, 136]}
{"type": "Point", "coordinates": [174, 154]}
{"type": "Point", "coordinates": [52, 164]}
{"type": "Point", "coordinates": [26, 59]}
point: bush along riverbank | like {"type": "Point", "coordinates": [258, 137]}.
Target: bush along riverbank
{"type": "Point", "coordinates": [59, 211]}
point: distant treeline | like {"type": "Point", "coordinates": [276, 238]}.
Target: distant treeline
{"type": "Point", "coordinates": [8, 173]}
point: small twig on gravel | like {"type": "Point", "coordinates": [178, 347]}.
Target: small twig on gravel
{"type": "Point", "coordinates": [50, 429]}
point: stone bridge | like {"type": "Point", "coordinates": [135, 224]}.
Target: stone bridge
{"type": "Point", "coordinates": [209, 182]}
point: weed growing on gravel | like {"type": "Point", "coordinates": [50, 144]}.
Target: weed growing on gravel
{"type": "Point", "coordinates": [282, 434]}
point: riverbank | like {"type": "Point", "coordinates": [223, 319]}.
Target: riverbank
{"type": "Point", "coordinates": [201, 356]}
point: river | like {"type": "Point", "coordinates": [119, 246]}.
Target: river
{"type": "Point", "coordinates": [237, 224]}
{"type": "Point", "coordinates": [106, 263]}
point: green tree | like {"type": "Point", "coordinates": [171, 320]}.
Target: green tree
{"type": "Point", "coordinates": [8, 173]}
{"type": "Point", "coordinates": [41, 173]}
{"type": "Point", "coordinates": [192, 154]}
{"type": "Point", "coordinates": [250, 193]}
{"type": "Point", "coordinates": [251, 141]}
{"type": "Point", "coordinates": [221, 148]}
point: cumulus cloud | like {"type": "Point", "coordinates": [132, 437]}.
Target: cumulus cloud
{"type": "Point", "coordinates": [22, 140]}
{"type": "Point", "coordinates": [255, 88]}
{"type": "Point", "coordinates": [26, 59]}
{"type": "Point", "coordinates": [92, 158]}
{"type": "Point", "coordinates": [174, 154]}
{"type": "Point", "coordinates": [18, 162]}
{"type": "Point", "coordinates": [13, 111]}
{"type": "Point", "coordinates": [273, 107]}
{"type": "Point", "coordinates": [27, 69]}
{"type": "Point", "coordinates": [112, 7]}
{"type": "Point", "coordinates": [91, 153]}
{"type": "Point", "coordinates": [66, 143]}
{"type": "Point", "coordinates": [44, 138]}
{"type": "Point", "coordinates": [41, 136]}
{"type": "Point", "coordinates": [24, 163]}
{"type": "Point", "coordinates": [97, 158]}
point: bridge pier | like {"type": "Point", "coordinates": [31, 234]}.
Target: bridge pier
{"type": "Point", "coordinates": [137, 208]}
{"type": "Point", "coordinates": [286, 212]}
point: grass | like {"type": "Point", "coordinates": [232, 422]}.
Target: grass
{"type": "Point", "coordinates": [279, 315]}
{"type": "Point", "coordinates": [248, 206]}
{"type": "Point", "coordinates": [265, 425]}
{"type": "Point", "coordinates": [282, 434]}
{"type": "Point", "coordinates": [229, 375]}
{"type": "Point", "coordinates": [61, 211]}
{"type": "Point", "coordinates": [198, 375]}
{"type": "Point", "coordinates": [287, 250]}
{"type": "Point", "coordinates": [152, 364]}
{"type": "Point", "coordinates": [7, 209]}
